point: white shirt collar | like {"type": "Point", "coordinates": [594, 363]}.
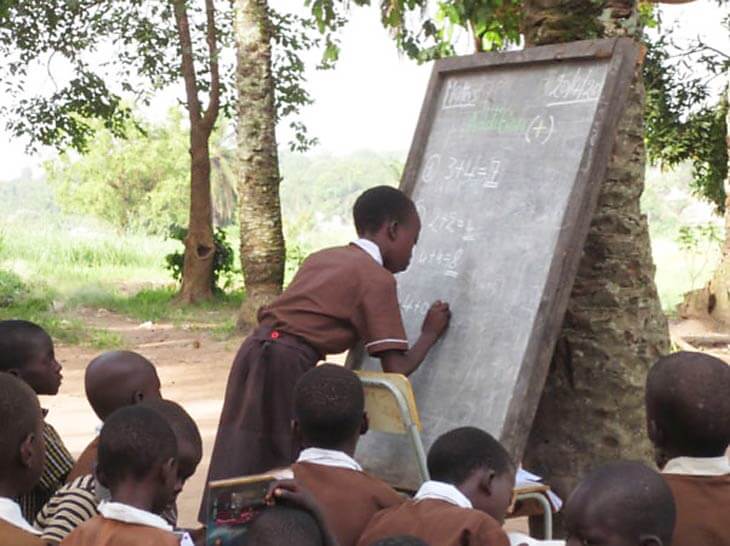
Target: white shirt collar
{"type": "Point", "coordinates": [442, 491]}
{"type": "Point", "coordinates": [371, 248]}
{"type": "Point", "coordinates": [10, 512]}
{"type": "Point", "coordinates": [129, 514]}
{"type": "Point", "coordinates": [328, 457]}
{"type": "Point", "coordinates": [694, 466]}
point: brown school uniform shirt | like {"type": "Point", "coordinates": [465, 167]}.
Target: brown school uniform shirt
{"type": "Point", "coordinates": [438, 523]}
{"type": "Point", "coordinates": [86, 462]}
{"type": "Point", "coordinates": [100, 531]}
{"type": "Point", "coordinates": [348, 498]}
{"type": "Point", "coordinates": [339, 296]}
{"type": "Point", "coordinates": [703, 509]}
{"type": "Point", "coordinates": [10, 535]}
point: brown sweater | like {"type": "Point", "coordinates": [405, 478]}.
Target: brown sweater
{"type": "Point", "coordinates": [703, 509]}
{"type": "Point", "coordinates": [10, 535]}
{"type": "Point", "coordinates": [438, 523]}
{"type": "Point", "coordinates": [348, 498]}
{"type": "Point", "coordinates": [99, 531]}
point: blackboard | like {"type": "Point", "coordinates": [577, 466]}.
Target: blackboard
{"type": "Point", "coordinates": [505, 169]}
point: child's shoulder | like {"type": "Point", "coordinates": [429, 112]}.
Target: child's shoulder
{"type": "Point", "coordinates": [10, 534]}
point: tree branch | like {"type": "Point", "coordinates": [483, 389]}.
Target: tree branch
{"type": "Point", "coordinates": [187, 63]}
{"type": "Point", "coordinates": [211, 114]}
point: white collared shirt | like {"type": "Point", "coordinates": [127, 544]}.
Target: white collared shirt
{"type": "Point", "coordinates": [442, 491]}
{"type": "Point", "coordinates": [698, 466]}
{"type": "Point", "coordinates": [10, 512]}
{"type": "Point", "coordinates": [125, 513]}
{"type": "Point", "coordinates": [518, 539]}
{"type": "Point", "coordinates": [328, 457]}
{"type": "Point", "coordinates": [371, 248]}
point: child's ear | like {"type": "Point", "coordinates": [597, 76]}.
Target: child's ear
{"type": "Point", "coordinates": [650, 540]}
{"type": "Point", "coordinates": [393, 230]}
{"type": "Point", "coordinates": [137, 397]}
{"type": "Point", "coordinates": [486, 480]}
{"type": "Point", "coordinates": [365, 424]}
{"type": "Point", "coordinates": [27, 450]}
{"type": "Point", "coordinates": [168, 470]}
{"type": "Point", "coordinates": [296, 430]}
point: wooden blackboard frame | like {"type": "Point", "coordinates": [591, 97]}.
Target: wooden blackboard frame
{"type": "Point", "coordinates": [624, 57]}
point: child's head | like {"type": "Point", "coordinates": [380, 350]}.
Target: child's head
{"type": "Point", "coordinates": [329, 408]}
{"type": "Point", "coordinates": [26, 350]}
{"type": "Point", "coordinates": [22, 449]}
{"type": "Point", "coordinates": [620, 504]}
{"type": "Point", "coordinates": [285, 525]}
{"type": "Point", "coordinates": [117, 379]}
{"type": "Point", "coordinates": [138, 452]}
{"type": "Point", "coordinates": [189, 442]}
{"type": "Point", "coordinates": [688, 406]}
{"type": "Point", "coordinates": [478, 465]}
{"type": "Point", "coordinates": [389, 218]}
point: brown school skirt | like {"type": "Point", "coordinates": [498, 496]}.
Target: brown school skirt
{"type": "Point", "coordinates": [254, 432]}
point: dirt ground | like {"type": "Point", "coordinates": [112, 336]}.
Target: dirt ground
{"type": "Point", "coordinates": [193, 367]}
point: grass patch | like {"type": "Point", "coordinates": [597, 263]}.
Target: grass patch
{"type": "Point", "coordinates": [20, 302]}
{"type": "Point", "coordinates": [158, 304]}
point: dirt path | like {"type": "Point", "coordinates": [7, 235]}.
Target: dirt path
{"type": "Point", "coordinates": [193, 368]}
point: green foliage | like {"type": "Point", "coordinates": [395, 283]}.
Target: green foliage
{"type": "Point", "coordinates": [12, 289]}
{"type": "Point", "coordinates": [492, 24]}
{"type": "Point", "coordinates": [683, 121]}
{"type": "Point", "coordinates": [135, 183]}
{"type": "Point", "coordinates": [693, 237]}
{"type": "Point", "coordinates": [223, 268]}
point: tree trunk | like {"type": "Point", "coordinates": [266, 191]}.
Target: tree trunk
{"type": "Point", "coordinates": [592, 408]}
{"type": "Point", "coordinates": [197, 283]}
{"type": "Point", "coordinates": [262, 240]}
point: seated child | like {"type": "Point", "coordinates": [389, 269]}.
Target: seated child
{"type": "Point", "coordinates": [620, 504]}
{"type": "Point", "coordinates": [78, 501]}
{"type": "Point", "coordinates": [464, 503]}
{"type": "Point", "coordinates": [293, 518]}
{"type": "Point", "coordinates": [21, 458]}
{"type": "Point", "coordinates": [26, 351]}
{"type": "Point", "coordinates": [138, 463]}
{"type": "Point", "coordinates": [688, 416]}
{"type": "Point", "coordinates": [402, 540]}
{"type": "Point", "coordinates": [329, 417]}
{"type": "Point", "coordinates": [114, 380]}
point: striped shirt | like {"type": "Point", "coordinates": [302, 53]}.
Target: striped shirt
{"type": "Point", "coordinates": [72, 505]}
{"type": "Point", "coordinates": [75, 503]}
{"type": "Point", "coordinates": [57, 466]}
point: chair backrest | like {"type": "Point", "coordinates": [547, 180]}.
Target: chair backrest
{"type": "Point", "coordinates": [389, 402]}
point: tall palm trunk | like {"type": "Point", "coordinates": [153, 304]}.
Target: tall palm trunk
{"type": "Point", "coordinates": [262, 240]}
{"type": "Point", "coordinates": [592, 408]}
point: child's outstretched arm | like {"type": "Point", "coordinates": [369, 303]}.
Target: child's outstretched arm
{"type": "Point", "coordinates": [433, 327]}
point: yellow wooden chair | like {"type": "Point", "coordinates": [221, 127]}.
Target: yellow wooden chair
{"type": "Point", "coordinates": [391, 407]}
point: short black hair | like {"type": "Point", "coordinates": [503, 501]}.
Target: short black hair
{"type": "Point", "coordinates": [688, 397]}
{"type": "Point", "coordinates": [18, 340]}
{"type": "Point", "coordinates": [19, 415]}
{"type": "Point", "coordinates": [402, 540]}
{"type": "Point", "coordinates": [454, 456]}
{"type": "Point", "coordinates": [284, 525]}
{"type": "Point", "coordinates": [379, 205]}
{"type": "Point", "coordinates": [328, 404]}
{"type": "Point", "coordinates": [629, 497]}
{"type": "Point", "coordinates": [133, 441]}
{"type": "Point", "coordinates": [180, 421]}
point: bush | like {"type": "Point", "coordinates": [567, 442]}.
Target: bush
{"type": "Point", "coordinates": [12, 289]}
{"type": "Point", "coordinates": [223, 268]}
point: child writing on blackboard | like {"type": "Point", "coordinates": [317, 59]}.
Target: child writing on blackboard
{"type": "Point", "coordinates": [339, 296]}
